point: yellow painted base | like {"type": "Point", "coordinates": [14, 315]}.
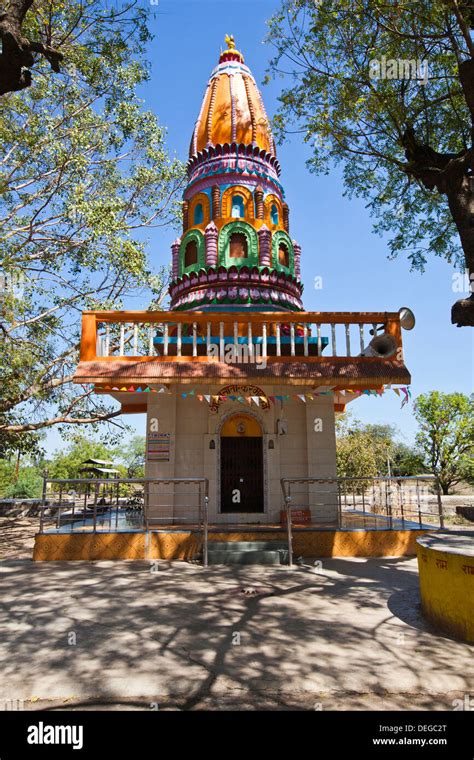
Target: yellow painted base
{"type": "Point", "coordinates": [185, 545]}
{"type": "Point", "coordinates": [447, 591]}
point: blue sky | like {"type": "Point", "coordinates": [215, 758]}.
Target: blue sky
{"type": "Point", "coordinates": [335, 233]}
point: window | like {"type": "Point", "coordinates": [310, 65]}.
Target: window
{"type": "Point", "coordinates": [283, 255]}
{"type": "Point", "coordinates": [190, 254]}
{"type": "Point", "coordinates": [238, 248]}
{"type": "Point", "coordinates": [198, 214]}
{"type": "Point", "coordinates": [274, 214]}
{"type": "Point", "coordinates": [238, 207]}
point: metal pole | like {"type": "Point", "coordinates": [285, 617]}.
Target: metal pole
{"type": "Point", "coordinates": [96, 491]}
{"type": "Point", "coordinates": [146, 499]}
{"type": "Point", "coordinates": [206, 532]}
{"type": "Point", "coordinates": [94, 526]}
{"type": "Point", "coordinates": [58, 521]}
{"type": "Point", "coordinates": [418, 502]}
{"type": "Point", "coordinates": [339, 506]}
{"type": "Point", "coordinates": [199, 505]}
{"type": "Point", "coordinates": [402, 511]}
{"type": "Point", "coordinates": [289, 530]}
{"type": "Point", "coordinates": [43, 505]}
{"type": "Point", "coordinates": [388, 501]}
{"type": "Point", "coordinates": [440, 504]}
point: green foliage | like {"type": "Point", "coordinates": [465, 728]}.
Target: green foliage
{"type": "Point", "coordinates": [28, 484]}
{"type": "Point", "coordinates": [446, 435]}
{"type": "Point", "coordinates": [84, 168]}
{"type": "Point", "coordinates": [132, 455]}
{"type": "Point", "coordinates": [66, 464]}
{"type": "Point", "coordinates": [19, 443]}
{"type": "Point", "coordinates": [367, 451]}
{"type": "Point", "coordinates": [324, 52]}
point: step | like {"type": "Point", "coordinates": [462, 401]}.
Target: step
{"type": "Point", "coordinates": [261, 557]}
{"type": "Point", "coordinates": [246, 546]}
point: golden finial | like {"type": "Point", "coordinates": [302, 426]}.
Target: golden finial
{"type": "Point", "coordinates": [229, 39]}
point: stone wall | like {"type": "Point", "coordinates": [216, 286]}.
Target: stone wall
{"type": "Point", "coordinates": [307, 448]}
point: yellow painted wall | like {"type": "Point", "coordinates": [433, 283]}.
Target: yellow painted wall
{"type": "Point", "coordinates": [447, 591]}
{"type": "Point", "coordinates": [182, 546]}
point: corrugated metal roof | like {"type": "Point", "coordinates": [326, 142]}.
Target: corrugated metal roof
{"type": "Point", "coordinates": [341, 371]}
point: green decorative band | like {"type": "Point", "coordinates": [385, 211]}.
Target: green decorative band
{"type": "Point", "coordinates": [197, 237]}
{"type": "Point", "coordinates": [224, 244]}
{"type": "Point", "coordinates": [278, 238]}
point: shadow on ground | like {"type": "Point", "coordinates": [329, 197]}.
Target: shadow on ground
{"type": "Point", "coordinates": [139, 635]}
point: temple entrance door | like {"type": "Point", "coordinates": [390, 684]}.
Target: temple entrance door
{"type": "Point", "coordinates": [242, 465]}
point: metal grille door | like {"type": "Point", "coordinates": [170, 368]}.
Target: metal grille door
{"type": "Point", "coordinates": [242, 474]}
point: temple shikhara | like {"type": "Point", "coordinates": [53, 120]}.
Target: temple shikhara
{"type": "Point", "coordinates": [240, 384]}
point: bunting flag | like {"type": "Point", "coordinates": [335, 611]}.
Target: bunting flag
{"type": "Point", "coordinates": [263, 401]}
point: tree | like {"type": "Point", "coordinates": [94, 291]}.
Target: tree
{"type": "Point", "coordinates": [356, 457]}
{"type": "Point", "coordinates": [18, 52]}
{"type": "Point", "coordinates": [406, 461]}
{"type": "Point", "coordinates": [20, 444]}
{"type": "Point", "coordinates": [133, 456]}
{"type": "Point", "coordinates": [370, 450]}
{"type": "Point", "coordinates": [84, 172]}
{"type": "Point", "coordinates": [66, 464]}
{"type": "Point", "coordinates": [386, 90]}
{"type": "Point", "coordinates": [446, 435]}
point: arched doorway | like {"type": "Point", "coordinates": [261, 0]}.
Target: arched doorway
{"type": "Point", "coordinates": [241, 465]}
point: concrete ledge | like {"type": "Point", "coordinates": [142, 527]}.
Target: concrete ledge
{"type": "Point", "coordinates": [446, 567]}
{"type": "Point", "coordinates": [174, 545]}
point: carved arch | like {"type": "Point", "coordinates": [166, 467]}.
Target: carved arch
{"type": "Point", "coordinates": [189, 237]}
{"type": "Point", "coordinates": [269, 201]}
{"type": "Point", "coordinates": [224, 244]}
{"type": "Point", "coordinates": [204, 200]}
{"type": "Point", "coordinates": [282, 237]}
{"type": "Point", "coordinates": [226, 203]}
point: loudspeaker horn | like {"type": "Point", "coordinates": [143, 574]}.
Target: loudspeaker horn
{"type": "Point", "coordinates": [382, 346]}
{"type": "Point", "coordinates": [407, 318]}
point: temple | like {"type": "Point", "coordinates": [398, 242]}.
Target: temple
{"type": "Point", "coordinates": [239, 383]}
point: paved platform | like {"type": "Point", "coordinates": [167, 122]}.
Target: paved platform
{"type": "Point", "coordinates": [342, 634]}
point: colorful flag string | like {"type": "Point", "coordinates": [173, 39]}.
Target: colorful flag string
{"type": "Point", "coordinates": [264, 400]}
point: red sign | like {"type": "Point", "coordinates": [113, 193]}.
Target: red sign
{"type": "Point", "coordinates": [298, 516]}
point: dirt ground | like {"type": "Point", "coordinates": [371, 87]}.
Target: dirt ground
{"type": "Point", "coordinates": [343, 634]}
{"type": "Point", "coordinates": [17, 537]}
{"type": "Point", "coordinates": [346, 634]}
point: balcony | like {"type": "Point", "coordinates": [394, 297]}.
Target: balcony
{"type": "Point", "coordinates": [352, 348]}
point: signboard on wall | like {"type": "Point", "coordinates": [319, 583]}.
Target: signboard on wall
{"type": "Point", "coordinates": [158, 449]}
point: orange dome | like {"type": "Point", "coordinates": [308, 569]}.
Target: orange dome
{"type": "Point", "coordinates": [232, 110]}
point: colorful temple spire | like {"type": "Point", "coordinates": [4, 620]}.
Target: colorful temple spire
{"type": "Point", "coordinates": [235, 251]}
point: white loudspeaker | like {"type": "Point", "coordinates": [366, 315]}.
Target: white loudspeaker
{"type": "Point", "coordinates": [407, 318]}
{"type": "Point", "coordinates": [382, 346]}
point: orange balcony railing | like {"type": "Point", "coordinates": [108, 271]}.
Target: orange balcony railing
{"type": "Point", "coordinates": [211, 336]}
